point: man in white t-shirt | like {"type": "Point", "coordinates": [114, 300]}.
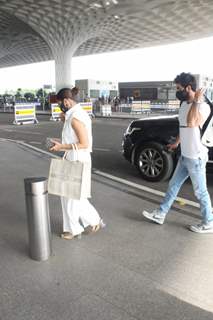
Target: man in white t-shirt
{"type": "Point", "coordinates": [194, 155]}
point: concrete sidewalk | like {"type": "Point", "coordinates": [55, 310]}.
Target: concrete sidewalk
{"type": "Point", "coordinates": [130, 270]}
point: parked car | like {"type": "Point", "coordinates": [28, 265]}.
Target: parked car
{"type": "Point", "coordinates": [145, 146]}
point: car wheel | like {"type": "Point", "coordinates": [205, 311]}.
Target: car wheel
{"type": "Point", "coordinates": [154, 162]}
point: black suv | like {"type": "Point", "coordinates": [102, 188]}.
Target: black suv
{"type": "Point", "coordinates": [144, 145]}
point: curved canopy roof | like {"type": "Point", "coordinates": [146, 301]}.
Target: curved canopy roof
{"type": "Point", "coordinates": [31, 30]}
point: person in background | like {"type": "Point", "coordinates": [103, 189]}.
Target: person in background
{"type": "Point", "coordinates": [194, 155]}
{"type": "Point", "coordinates": [78, 215]}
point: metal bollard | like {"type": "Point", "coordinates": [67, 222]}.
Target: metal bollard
{"type": "Point", "coordinates": [36, 196]}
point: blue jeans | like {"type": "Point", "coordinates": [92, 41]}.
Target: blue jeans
{"type": "Point", "coordinates": [196, 170]}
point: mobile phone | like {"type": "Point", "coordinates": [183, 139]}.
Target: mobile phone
{"type": "Point", "coordinates": [63, 108]}
{"type": "Point", "coordinates": [49, 143]}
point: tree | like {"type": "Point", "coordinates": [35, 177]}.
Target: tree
{"type": "Point", "coordinates": [19, 93]}
{"type": "Point", "coordinates": [29, 96]}
{"type": "Point", "coordinates": [41, 93]}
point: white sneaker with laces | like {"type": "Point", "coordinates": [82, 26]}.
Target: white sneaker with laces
{"type": "Point", "coordinates": [202, 228]}
{"type": "Point", "coordinates": [155, 216]}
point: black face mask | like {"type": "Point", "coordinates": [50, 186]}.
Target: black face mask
{"type": "Point", "coordinates": [182, 95]}
{"type": "Point", "coordinates": [63, 108]}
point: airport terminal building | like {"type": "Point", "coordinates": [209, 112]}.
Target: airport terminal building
{"type": "Point", "coordinates": [148, 90]}
{"type": "Point", "coordinates": [95, 89]}
{"type": "Point", "coordinates": [161, 91]}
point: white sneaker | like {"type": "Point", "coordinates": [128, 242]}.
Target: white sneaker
{"type": "Point", "coordinates": [155, 216]}
{"type": "Point", "coordinates": [202, 228]}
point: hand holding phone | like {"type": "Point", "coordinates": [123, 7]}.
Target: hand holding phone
{"type": "Point", "coordinates": [49, 143]}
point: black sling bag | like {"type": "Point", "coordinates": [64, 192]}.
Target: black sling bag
{"type": "Point", "coordinates": [206, 123]}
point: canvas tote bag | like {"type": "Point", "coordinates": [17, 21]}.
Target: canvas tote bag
{"type": "Point", "coordinates": [70, 179]}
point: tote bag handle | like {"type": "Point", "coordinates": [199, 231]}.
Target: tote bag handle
{"type": "Point", "coordinates": [75, 152]}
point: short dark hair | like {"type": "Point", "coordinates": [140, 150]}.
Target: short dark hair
{"type": "Point", "coordinates": [68, 93]}
{"type": "Point", "coordinates": [186, 79]}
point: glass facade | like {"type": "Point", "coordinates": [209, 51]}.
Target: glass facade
{"type": "Point", "coordinates": [94, 93]}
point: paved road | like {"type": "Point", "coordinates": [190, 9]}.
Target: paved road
{"type": "Point", "coordinates": [130, 270]}
{"type": "Point", "coordinates": [107, 150]}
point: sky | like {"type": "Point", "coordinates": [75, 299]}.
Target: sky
{"type": "Point", "coordinates": [147, 64]}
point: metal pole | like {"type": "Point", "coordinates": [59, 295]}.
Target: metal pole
{"type": "Point", "coordinates": [37, 206]}
{"type": "Point", "coordinates": [43, 98]}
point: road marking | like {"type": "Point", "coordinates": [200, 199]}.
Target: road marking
{"type": "Point", "coordinates": [31, 147]}
{"type": "Point", "coordinates": [144, 188]}
{"type": "Point", "coordinates": [109, 176]}
{"type": "Point", "coordinates": [29, 132]}
{"type": "Point", "coordinates": [18, 131]}
{"type": "Point", "coordinates": [101, 149]}
{"type": "Point", "coordinates": [39, 150]}
{"type": "Point", "coordinates": [11, 140]}
{"type": "Point", "coordinates": [34, 142]}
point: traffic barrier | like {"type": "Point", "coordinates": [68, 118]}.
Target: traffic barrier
{"type": "Point", "coordinates": [173, 105]}
{"type": "Point", "coordinates": [55, 112]}
{"type": "Point", "coordinates": [145, 104]}
{"type": "Point", "coordinates": [106, 110]}
{"type": "Point", "coordinates": [87, 106]}
{"type": "Point", "coordinates": [140, 107]}
{"type": "Point", "coordinates": [24, 113]}
{"type": "Point", "coordinates": [136, 106]}
{"type": "Point", "coordinates": [170, 106]}
{"type": "Point", "coordinates": [157, 105]}
{"type": "Point", "coordinates": [8, 107]}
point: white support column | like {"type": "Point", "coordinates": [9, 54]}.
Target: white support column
{"type": "Point", "coordinates": [63, 59]}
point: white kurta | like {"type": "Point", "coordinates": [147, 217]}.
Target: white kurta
{"type": "Point", "coordinates": [77, 214]}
